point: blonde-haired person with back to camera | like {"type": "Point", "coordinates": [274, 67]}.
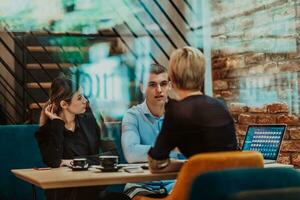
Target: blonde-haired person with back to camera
{"type": "Point", "coordinates": [194, 122]}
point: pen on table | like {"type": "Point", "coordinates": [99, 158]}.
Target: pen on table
{"type": "Point", "coordinates": [42, 168]}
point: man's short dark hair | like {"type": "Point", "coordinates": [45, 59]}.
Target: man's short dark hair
{"type": "Point", "coordinates": [154, 69]}
{"type": "Point", "coordinates": [157, 69]}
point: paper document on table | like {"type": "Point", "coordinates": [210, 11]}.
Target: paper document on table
{"type": "Point", "coordinates": [142, 165]}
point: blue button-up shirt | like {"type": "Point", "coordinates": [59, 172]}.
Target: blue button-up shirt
{"type": "Point", "coordinates": [139, 131]}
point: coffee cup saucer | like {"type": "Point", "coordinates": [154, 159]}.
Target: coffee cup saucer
{"type": "Point", "coordinates": [109, 169]}
{"type": "Point", "coordinates": [80, 168]}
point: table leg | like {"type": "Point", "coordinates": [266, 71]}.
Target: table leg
{"type": "Point", "coordinates": [33, 192]}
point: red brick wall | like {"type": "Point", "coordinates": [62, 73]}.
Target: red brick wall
{"type": "Point", "coordinates": [256, 61]}
{"type": "Point", "coordinates": [230, 73]}
{"type": "Point", "coordinates": [270, 114]}
{"type": "Point", "coordinates": [256, 40]}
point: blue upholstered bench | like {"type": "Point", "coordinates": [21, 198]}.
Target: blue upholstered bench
{"type": "Point", "coordinates": [18, 150]}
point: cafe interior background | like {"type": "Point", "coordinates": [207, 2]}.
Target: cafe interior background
{"type": "Point", "coordinates": [252, 51]}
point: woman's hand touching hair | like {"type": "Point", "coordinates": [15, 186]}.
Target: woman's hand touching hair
{"type": "Point", "coordinates": [48, 112]}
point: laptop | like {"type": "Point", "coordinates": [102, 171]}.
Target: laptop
{"type": "Point", "coordinates": [266, 139]}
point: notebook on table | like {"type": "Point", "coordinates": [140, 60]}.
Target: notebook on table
{"type": "Point", "coordinates": [266, 139]}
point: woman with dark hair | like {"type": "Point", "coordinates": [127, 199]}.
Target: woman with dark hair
{"type": "Point", "coordinates": [67, 131]}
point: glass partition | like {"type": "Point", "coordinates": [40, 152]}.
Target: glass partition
{"type": "Point", "coordinates": [251, 46]}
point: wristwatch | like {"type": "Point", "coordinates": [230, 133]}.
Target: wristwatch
{"type": "Point", "coordinates": [158, 164]}
{"type": "Point", "coordinates": [162, 163]}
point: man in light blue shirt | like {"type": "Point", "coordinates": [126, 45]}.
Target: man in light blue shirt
{"type": "Point", "coordinates": [142, 123]}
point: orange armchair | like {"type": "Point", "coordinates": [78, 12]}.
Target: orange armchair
{"type": "Point", "coordinates": [205, 162]}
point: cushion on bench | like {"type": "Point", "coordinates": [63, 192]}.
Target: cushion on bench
{"type": "Point", "coordinates": [18, 150]}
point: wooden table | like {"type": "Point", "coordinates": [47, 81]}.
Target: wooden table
{"type": "Point", "coordinates": [64, 177]}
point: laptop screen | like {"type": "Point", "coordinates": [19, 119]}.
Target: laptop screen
{"type": "Point", "coordinates": [265, 139]}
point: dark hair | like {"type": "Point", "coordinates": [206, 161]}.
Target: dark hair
{"type": "Point", "coordinates": [157, 69]}
{"type": "Point", "coordinates": [62, 89]}
{"type": "Point", "coordinates": [154, 69]}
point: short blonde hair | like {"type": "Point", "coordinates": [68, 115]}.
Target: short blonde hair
{"type": "Point", "coordinates": [187, 68]}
